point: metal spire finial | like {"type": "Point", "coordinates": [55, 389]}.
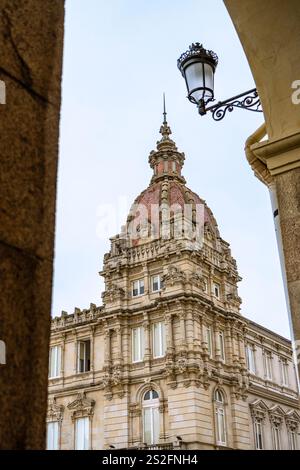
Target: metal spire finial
{"type": "Point", "coordinates": [165, 113]}
{"type": "Point", "coordinates": [165, 129]}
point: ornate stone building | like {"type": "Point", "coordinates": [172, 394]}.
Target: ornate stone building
{"type": "Point", "coordinates": [168, 361]}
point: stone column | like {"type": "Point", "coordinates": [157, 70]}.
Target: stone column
{"type": "Point", "coordinates": [169, 334]}
{"type": "Point", "coordinates": [93, 328]}
{"type": "Point", "coordinates": [228, 343]}
{"type": "Point", "coordinates": [217, 342]}
{"type": "Point", "coordinates": [107, 348]}
{"type": "Point", "coordinates": [31, 40]}
{"type": "Point", "coordinates": [183, 344]}
{"type": "Point", "coordinates": [119, 343]}
{"type": "Point", "coordinates": [147, 354]}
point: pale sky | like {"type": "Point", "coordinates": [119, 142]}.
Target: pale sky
{"type": "Point", "coordinates": [120, 56]}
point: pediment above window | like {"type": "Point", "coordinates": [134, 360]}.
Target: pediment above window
{"type": "Point", "coordinates": [82, 406]}
{"type": "Point", "coordinates": [55, 411]}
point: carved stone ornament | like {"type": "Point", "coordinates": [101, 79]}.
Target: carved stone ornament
{"type": "Point", "coordinates": [181, 365]}
{"type": "Point", "coordinates": [258, 410]}
{"type": "Point", "coordinates": [55, 411]}
{"type": "Point", "coordinates": [113, 293]}
{"type": "Point", "coordinates": [197, 280]}
{"type": "Point", "coordinates": [116, 376]}
{"type": "Point", "coordinates": [173, 276]}
{"type": "Point", "coordinates": [81, 406]}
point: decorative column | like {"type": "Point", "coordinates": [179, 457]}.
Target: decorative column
{"type": "Point", "coordinates": [75, 351]}
{"type": "Point", "coordinates": [228, 343]}
{"type": "Point", "coordinates": [189, 329]}
{"type": "Point", "coordinates": [93, 328]}
{"type": "Point", "coordinates": [119, 344]}
{"type": "Point", "coordinates": [107, 348]}
{"type": "Point", "coordinates": [183, 345]}
{"type": "Point", "coordinates": [217, 341]}
{"type": "Point", "coordinates": [62, 363]}
{"type": "Point", "coordinates": [147, 352]}
{"type": "Point", "coordinates": [169, 333]}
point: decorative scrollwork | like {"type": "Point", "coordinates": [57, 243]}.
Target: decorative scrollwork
{"type": "Point", "coordinates": [250, 101]}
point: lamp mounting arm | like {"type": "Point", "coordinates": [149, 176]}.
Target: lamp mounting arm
{"type": "Point", "coordinates": [248, 100]}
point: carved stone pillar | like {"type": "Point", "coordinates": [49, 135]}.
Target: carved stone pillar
{"type": "Point", "coordinates": [203, 335]}
{"type": "Point", "coordinates": [147, 352]}
{"type": "Point", "coordinates": [183, 344]}
{"type": "Point", "coordinates": [107, 348]}
{"type": "Point", "coordinates": [189, 322]}
{"type": "Point", "coordinates": [93, 328]}
{"type": "Point", "coordinates": [169, 334]}
{"type": "Point", "coordinates": [75, 351]}
{"type": "Point", "coordinates": [217, 342]}
{"type": "Point", "coordinates": [242, 355]}
{"type": "Point", "coordinates": [235, 355]}
{"type": "Point", "coordinates": [228, 343]}
{"type": "Point", "coordinates": [119, 344]}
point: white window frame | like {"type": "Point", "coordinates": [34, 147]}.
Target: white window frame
{"type": "Point", "coordinates": [250, 356]}
{"type": "Point", "coordinates": [137, 356]}
{"type": "Point", "coordinates": [55, 362]}
{"type": "Point", "coordinates": [217, 287]}
{"type": "Point", "coordinates": [268, 365]}
{"type": "Point", "coordinates": [86, 368]}
{"type": "Point", "coordinates": [87, 436]}
{"type": "Point", "coordinates": [159, 283]}
{"type": "Point", "coordinates": [151, 405]}
{"type": "Point", "coordinates": [258, 426]}
{"type": "Point", "coordinates": [284, 371]}
{"type": "Point", "coordinates": [54, 445]}
{"type": "Point", "coordinates": [140, 287]}
{"type": "Point", "coordinates": [222, 345]}
{"type": "Point", "coordinates": [209, 341]}
{"type": "Point", "coordinates": [293, 444]}
{"type": "Point", "coordinates": [276, 437]}
{"type": "Point", "coordinates": [161, 339]}
{"type": "Point", "coordinates": [220, 416]}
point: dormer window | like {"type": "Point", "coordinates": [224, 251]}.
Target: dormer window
{"type": "Point", "coordinates": [138, 288]}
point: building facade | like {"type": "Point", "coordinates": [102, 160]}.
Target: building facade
{"type": "Point", "coordinates": [168, 361]}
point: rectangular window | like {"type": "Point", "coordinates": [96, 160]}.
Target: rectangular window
{"type": "Point", "coordinates": [283, 371]}
{"type": "Point", "coordinates": [268, 365]}
{"type": "Point", "coordinates": [292, 440]}
{"type": "Point", "coordinates": [250, 359]}
{"type": "Point", "coordinates": [276, 437]}
{"type": "Point", "coordinates": [53, 436]}
{"type": "Point", "coordinates": [209, 341]}
{"type": "Point", "coordinates": [138, 287]}
{"type": "Point", "coordinates": [55, 362]}
{"type": "Point", "coordinates": [222, 345]}
{"type": "Point", "coordinates": [159, 339]}
{"type": "Point", "coordinates": [82, 434]}
{"type": "Point", "coordinates": [258, 434]}
{"type": "Point", "coordinates": [84, 356]}
{"type": "Point", "coordinates": [156, 283]}
{"type": "Point", "coordinates": [174, 166]}
{"type": "Point", "coordinates": [216, 290]}
{"type": "Point", "coordinates": [151, 425]}
{"type": "Point", "coordinates": [221, 429]}
{"type": "Point", "coordinates": [137, 344]}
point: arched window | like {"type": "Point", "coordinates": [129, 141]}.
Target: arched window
{"type": "Point", "coordinates": [220, 417]}
{"type": "Point", "coordinates": [151, 417]}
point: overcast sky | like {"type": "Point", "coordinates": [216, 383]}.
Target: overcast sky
{"type": "Point", "coordinates": [119, 58]}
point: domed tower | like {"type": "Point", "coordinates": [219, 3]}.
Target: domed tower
{"type": "Point", "coordinates": [171, 309]}
{"type": "Point", "coordinates": [170, 230]}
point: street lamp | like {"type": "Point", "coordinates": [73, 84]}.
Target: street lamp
{"type": "Point", "coordinates": [197, 66]}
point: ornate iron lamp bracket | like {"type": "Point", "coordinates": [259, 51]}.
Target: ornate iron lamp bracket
{"type": "Point", "coordinates": [250, 101]}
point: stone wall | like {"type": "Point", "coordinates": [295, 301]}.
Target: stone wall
{"type": "Point", "coordinates": [31, 42]}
